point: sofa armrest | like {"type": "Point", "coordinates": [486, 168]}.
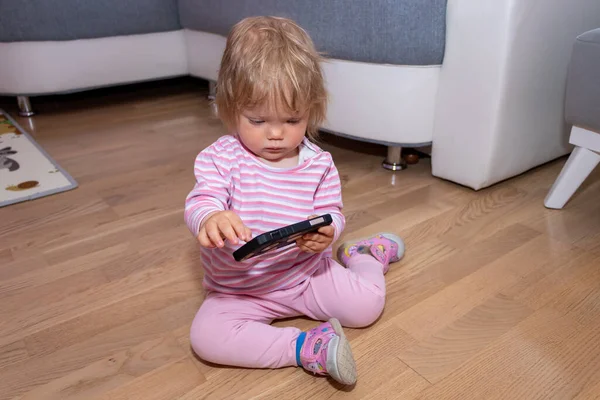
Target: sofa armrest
{"type": "Point", "coordinates": [500, 102]}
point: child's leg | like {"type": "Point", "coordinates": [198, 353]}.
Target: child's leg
{"type": "Point", "coordinates": [355, 295]}
{"type": "Point", "coordinates": [234, 330]}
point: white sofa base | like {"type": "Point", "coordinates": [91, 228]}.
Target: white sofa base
{"type": "Point", "coordinates": [396, 107]}
{"type": "Point", "coordinates": [388, 104]}
{"type": "Point", "coordinates": [34, 68]}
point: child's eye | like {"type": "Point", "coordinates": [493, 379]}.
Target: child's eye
{"type": "Point", "coordinates": [255, 121]}
{"type": "Point", "coordinates": [293, 121]}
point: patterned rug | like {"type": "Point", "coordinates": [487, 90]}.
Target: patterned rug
{"type": "Point", "coordinates": [27, 172]}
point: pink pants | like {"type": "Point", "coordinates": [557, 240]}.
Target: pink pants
{"type": "Point", "coordinates": [235, 330]}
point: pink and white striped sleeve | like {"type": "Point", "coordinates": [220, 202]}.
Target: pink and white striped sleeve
{"type": "Point", "coordinates": [328, 200]}
{"type": "Point", "coordinates": [211, 191]}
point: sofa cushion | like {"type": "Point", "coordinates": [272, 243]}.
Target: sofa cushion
{"type": "Point", "coordinates": [583, 86]}
{"type": "Point", "coordinates": [39, 20]}
{"type": "Point", "coordinates": [380, 31]}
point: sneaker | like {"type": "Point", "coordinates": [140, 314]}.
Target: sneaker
{"type": "Point", "coordinates": [385, 247]}
{"type": "Point", "coordinates": [324, 350]}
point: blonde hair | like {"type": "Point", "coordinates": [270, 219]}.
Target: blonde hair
{"type": "Point", "coordinates": [272, 61]}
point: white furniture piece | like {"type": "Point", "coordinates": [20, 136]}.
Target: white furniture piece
{"type": "Point", "coordinates": [582, 161]}
{"type": "Point", "coordinates": [491, 109]}
{"type": "Point", "coordinates": [582, 109]}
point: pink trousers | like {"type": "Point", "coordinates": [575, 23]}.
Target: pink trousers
{"type": "Point", "coordinates": [235, 330]}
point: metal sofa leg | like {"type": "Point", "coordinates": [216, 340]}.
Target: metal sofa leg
{"type": "Point", "coordinates": [394, 160]}
{"type": "Point", "coordinates": [25, 109]}
{"type": "Point", "coordinates": [212, 90]}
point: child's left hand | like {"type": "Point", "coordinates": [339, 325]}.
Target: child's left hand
{"type": "Point", "coordinates": [318, 241]}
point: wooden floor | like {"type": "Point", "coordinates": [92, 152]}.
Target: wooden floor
{"type": "Point", "coordinates": [497, 298]}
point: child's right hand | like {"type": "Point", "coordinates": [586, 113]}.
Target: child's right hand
{"type": "Point", "coordinates": [223, 225]}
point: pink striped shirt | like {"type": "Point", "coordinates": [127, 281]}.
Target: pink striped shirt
{"type": "Point", "coordinates": [229, 177]}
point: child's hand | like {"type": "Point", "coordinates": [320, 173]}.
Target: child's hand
{"type": "Point", "coordinates": [318, 241]}
{"type": "Point", "coordinates": [223, 225]}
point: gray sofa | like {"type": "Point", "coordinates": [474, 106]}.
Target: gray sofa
{"type": "Point", "coordinates": [582, 112]}
{"type": "Point", "coordinates": [481, 81]}
{"type": "Point", "coordinates": [410, 32]}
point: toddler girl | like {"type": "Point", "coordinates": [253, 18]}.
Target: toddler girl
{"type": "Point", "coordinates": [265, 175]}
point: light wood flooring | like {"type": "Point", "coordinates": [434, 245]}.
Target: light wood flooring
{"type": "Point", "coordinates": [497, 298]}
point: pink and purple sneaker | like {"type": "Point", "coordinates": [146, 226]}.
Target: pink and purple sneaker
{"type": "Point", "coordinates": [324, 350]}
{"type": "Point", "coordinates": [384, 247]}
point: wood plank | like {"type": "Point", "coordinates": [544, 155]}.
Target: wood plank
{"type": "Point", "coordinates": [89, 324]}
{"type": "Point", "coordinates": [445, 350]}
{"type": "Point", "coordinates": [44, 368]}
{"type": "Point", "coordinates": [111, 372]}
{"type": "Point", "coordinates": [41, 276]}
{"type": "Point", "coordinates": [454, 301]}
{"type": "Point", "coordinates": [6, 256]}
{"type": "Point", "coordinates": [406, 291]}
{"type": "Point", "coordinates": [181, 375]}
{"type": "Point", "coordinates": [524, 350]}
{"type": "Point", "coordinates": [13, 353]}
{"type": "Point", "coordinates": [83, 293]}
{"type": "Point", "coordinates": [22, 264]}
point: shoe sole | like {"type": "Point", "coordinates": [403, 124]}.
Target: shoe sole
{"type": "Point", "coordinates": [398, 240]}
{"type": "Point", "coordinates": [340, 361]}
{"type": "Point", "coordinates": [387, 235]}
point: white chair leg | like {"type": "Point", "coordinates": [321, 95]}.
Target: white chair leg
{"type": "Point", "coordinates": [580, 164]}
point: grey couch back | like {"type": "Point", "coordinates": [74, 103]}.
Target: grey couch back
{"type": "Point", "coordinates": [379, 31]}
{"type": "Point", "coordinates": [39, 20]}
{"type": "Point", "coordinates": [410, 32]}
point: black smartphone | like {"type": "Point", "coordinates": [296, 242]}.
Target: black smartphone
{"type": "Point", "coordinates": [280, 237]}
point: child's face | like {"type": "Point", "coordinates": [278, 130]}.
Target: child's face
{"type": "Point", "coordinates": [271, 135]}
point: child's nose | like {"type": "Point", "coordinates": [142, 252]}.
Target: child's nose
{"type": "Point", "coordinates": [276, 132]}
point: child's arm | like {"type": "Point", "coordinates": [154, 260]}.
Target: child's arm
{"type": "Point", "coordinates": [211, 191]}
{"type": "Point", "coordinates": [328, 200]}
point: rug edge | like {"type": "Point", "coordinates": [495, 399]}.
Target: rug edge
{"type": "Point", "coordinates": [72, 181]}
{"type": "Point", "coordinates": [38, 195]}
